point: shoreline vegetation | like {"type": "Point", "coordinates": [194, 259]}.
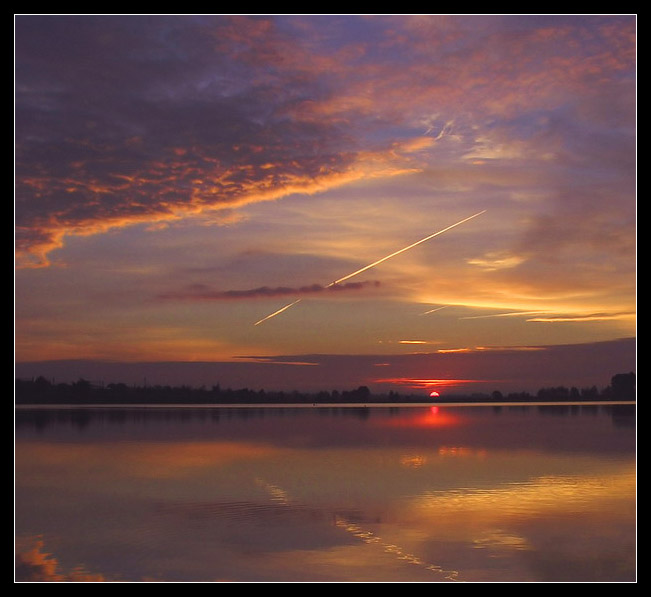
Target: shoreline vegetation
{"type": "Point", "coordinates": [41, 391]}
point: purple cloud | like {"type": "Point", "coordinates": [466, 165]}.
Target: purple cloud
{"type": "Point", "coordinates": [142, 119]}
{"type": "Point", "coordinates": [201, 292]}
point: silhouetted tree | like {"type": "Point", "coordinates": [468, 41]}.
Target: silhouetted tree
{"type": "Point", "coordinates": [590, 393]}
{"type": "Point", "coordinates": [623, 386]}
{"type": "Point", "coordinates": [363, 393]}
{"type": "Point", "coordinates": [42, 391]}
{"type": "Point", "coordinates": [559, 393]}
{"type": "Point", "coordinates": [42, 384]}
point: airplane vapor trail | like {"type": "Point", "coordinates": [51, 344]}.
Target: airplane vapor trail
{"type": "Point", "coordinates": [367, 267]}
{"type": "Point", "coordinates": [277, 312]}
{"type": "Point", "coordinates": [433, 310]}
{"type": "Point", "coordinates": [422, 240]}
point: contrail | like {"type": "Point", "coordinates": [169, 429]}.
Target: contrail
{"type": "Point", "coordinates": [422, 240]}
{"type": "Point", "coordinates": [363, 269]}
{"type": "Point", "coordinates": [277, 312]}
{"type": "Point", "coordinates": [433, 310]}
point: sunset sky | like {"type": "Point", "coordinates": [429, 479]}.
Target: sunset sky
{"type": "Point", "coordinates": [179, 178]}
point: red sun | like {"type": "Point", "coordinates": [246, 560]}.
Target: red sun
{"type": "Point", "coordinates": [434, 394]}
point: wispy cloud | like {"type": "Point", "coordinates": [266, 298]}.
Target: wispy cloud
{"type": "Point", "coordinates": [200, 292]}
{"type": "Point", "coordinates": [277, 361]}
{"type": "Point", "coordinates": [500, 349]}
{"type": "Point", "coordinates": [425, 383]}
{"type": "Point", "coordinates": [582, 318]}
{"type": "Point", "coordinates": [509, 314]}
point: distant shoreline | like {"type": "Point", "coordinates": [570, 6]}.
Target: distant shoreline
{"type": "Point", "coordinates": [84, 393]}
{"type": "Point", "coordinates": [325, 404]}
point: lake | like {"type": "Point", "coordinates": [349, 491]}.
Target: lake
{"type": "Point", "coordinates": [326, 494]}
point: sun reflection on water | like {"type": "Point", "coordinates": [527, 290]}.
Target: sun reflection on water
{"type": "Point", "coordinates": [427, 417]}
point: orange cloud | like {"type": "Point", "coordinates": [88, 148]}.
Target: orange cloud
{"type": "Point", "coordinates": [166, 192]}
{"type": "Point", "coordinates": [423, 383]}
{"type": "Point", "coordinates": [134, 343]}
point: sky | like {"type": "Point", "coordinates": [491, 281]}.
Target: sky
{"type": "Point", "coordinates": [180, 178]}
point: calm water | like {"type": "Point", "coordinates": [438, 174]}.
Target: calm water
{"type": "Point", "coordinates": [447, 494]}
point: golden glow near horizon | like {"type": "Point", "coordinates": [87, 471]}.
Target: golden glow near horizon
{"type": "Point", "coordinates": [378, 262]}
{"type": "Point", "coordinates": [419, 384]}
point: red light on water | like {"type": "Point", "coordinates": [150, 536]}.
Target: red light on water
{"type": "Point", "coordinates": [434, 410]}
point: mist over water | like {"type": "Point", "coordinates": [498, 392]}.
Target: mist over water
{"type": "Point", "coordinates": [336, 494]}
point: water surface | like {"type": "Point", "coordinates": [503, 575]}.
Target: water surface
{"type": "Point", "coordinates": [382, 494]}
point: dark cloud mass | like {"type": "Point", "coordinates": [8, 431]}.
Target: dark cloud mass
{"type": "Point", "coordinates": [139, 119]}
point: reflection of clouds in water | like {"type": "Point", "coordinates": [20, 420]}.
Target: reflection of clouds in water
{"type": "Point", "coordinates": [33, 564]}
{"type": "Point", "coordinates": [461, 451]}
{"type": "Point", "coordinates": [366, 536]}
{"type": "Point", "coordinates": [568, 493]}
{"type": "Point", "coordinates": [499, 539]}
{"type": "Point", "coordinates": [193, 511]}
{"type": "Point", "coordinates": [419, 460]}
{"type": "Point", "coordinates": [154, 460]}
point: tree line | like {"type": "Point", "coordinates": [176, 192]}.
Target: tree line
{"type": "Point", "coordinates": [43, 391]}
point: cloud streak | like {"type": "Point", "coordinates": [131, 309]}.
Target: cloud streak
{"type": "Point", "coordinates": [201, 292]}
{"type": "Point", "coordinates": [582, 318]}
{"type": "Point", "coordinates": [425, 384]}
